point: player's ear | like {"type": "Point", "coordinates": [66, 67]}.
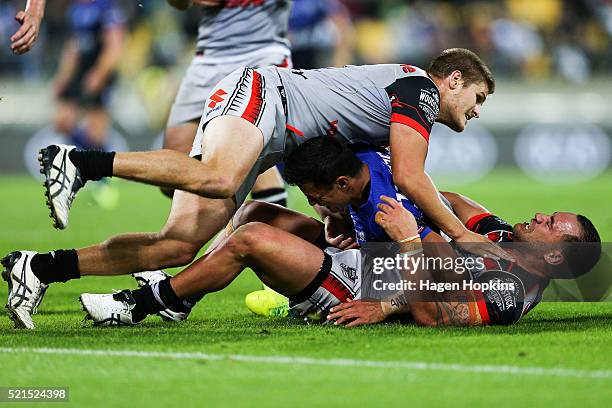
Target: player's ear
{"type": "Point", "coordinates": [455, 80]}
{"type": "Point", "coordinates": [342, 182]}
{"type": "Point", "coordinates": [554, 257]}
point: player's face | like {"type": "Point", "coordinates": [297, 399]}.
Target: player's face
{"type": "Point", "coordinates": [465, 104]}
{"type": "Point", "coordinates": [333, 198]}
{"type": "Point", "coordinates": [547, 228]}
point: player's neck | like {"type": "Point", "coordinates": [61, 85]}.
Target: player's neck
{"type": "Point", "coordinates": [529, 262]}
{"type": "Point", "coordinates": [362, 186]}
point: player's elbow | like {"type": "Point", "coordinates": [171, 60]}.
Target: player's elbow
{"type": "Point", "coordinates": [407, 181]}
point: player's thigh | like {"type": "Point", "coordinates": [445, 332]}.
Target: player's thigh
{"type": "Point", "coordinates": [270, 178]}
{"type": "Point", "coordinates": [231, 145]}
{"type": "Point", "coordinates": [180, 137]}
{"type": "Point", "coordinates": [194, 220]}
{"type": "Point", "coordinates": [282, 260]}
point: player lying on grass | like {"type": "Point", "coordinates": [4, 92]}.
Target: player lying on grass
{"type": "Point", "coordinates": [329, 284]}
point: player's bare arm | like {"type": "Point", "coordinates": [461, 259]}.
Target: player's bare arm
{"type": "Point", "coordinates": [30, 18]}
{"type": "Point", "coordinates": [463, 207]}
{"type": "Point", "coordinates": [409, 175]}
{"type": "Point", "coordinates": [451, 308]}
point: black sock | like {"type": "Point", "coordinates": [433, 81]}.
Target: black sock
{"type": "Point", "coordinates": [93, 165]}
{"type": "Point", "coordinates": [56, 266]}
{"type": "Point", "coordinates": [156, 297]}
{"type": "Point", "coordinates": [146, 303]}
{"type": "Point", "coordinates": [271, 195]}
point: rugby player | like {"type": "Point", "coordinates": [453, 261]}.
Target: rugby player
{"type": "Point", "coordinates": [328, 284]}
{"type": "Point", "coordinates": [231, 34]}
{"type": "Point", "coordinates": [30, 18]}
{"type": "Point", "coordinates": [262, 116]}
{"type": "Point", "coordinates": [88, 71]}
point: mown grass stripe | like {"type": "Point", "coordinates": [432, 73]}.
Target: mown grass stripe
{"type": "Point", "coordinates": [410, 365]}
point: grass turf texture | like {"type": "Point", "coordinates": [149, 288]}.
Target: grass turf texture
{"type": "Point", "coordinates": [568, 335]}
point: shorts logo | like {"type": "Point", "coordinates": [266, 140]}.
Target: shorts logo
{"type": "Point", "coordinates": [216, 98]}
{"type": "Point", "coordinates": [348, 272]}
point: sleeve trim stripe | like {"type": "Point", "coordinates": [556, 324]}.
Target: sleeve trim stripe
{"type": "Point", "coordinates": [471, 223]}
{"type": "Point", "coordinates": [408, 121]}
{"type": "Point", "coordinates": [482, 307]}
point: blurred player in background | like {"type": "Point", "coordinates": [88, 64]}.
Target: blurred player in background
{"type": "Point", "coordinates": [232, 34]}
{"type": "Point", "coordinates": [87, 70]}
{"type": "Point", "coordinates": [86, 75]}
{"type": "Point", "coordinates": [321, 34]}
{"type": "Point", "coordinates": [23, 40]}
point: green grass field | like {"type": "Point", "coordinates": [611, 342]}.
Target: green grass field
{"type": "Point", "coordinates": [560, 354]}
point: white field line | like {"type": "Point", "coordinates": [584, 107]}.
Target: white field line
{"type": "Point", "coordinates": [409, 365]}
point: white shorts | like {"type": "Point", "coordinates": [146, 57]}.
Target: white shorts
{"type": "Point", "coordinates": [254, 97]}
{"type": "Point", "coordinates": [339, 280]}
{"type": "Point", "coordinates": [202, 76]}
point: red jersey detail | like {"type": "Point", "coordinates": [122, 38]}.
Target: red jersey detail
{"type": "Point", "coordinates": [408, 121]}
{"type": "Point", "coordinates": [336, 288]}
{"type": "Point", "coordinates": [295, 130]}
{"type": "Point", "coordinates": [471, 223]}
{"type": "Point", "coordinates": [253, 109]}
{"type": "Point", "coordinates": [408, 68]}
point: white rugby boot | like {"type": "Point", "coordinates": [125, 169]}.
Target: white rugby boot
{"type": "Point", "coordinates": [25, 290]}
{"type": "Point", "coordinates": [112, 309]}
{"type": "Point", "coordinates": [62, 181]}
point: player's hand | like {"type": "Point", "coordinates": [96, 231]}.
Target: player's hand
{"type": "Point", "coordinates": [397, 222]}
{"type": "Point", "coordinates": [355, 313]}
{"type": "Point", "coordinates": [480, 245]}
{"type": "Point", "coordinates": [94, 82]}
{"type": "Point", "coordinates": [23, 40]}
{"type": "Point", "coordinates": [339, 234]}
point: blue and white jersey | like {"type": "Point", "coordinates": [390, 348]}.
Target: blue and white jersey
{"type": "Point", "coordinates": [381, 183]}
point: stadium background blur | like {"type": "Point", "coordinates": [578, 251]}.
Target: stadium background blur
{"type": "Point", "coordinates": [542, 144]}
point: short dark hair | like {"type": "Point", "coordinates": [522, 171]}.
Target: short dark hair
{"type": "Point", "coordinates": [321, 160]}
{"type": "Point", "coordinates": [582, 252]}
{"type": "Point", "coordinates": [472, 68]}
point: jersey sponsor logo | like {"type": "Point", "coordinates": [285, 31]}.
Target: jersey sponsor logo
{"type": "Point", "coordinates": [429, 102]}
{"type": "Point", "coordinates": [348, 272]}
{"type": "Point", "coordinates": [216, 98]}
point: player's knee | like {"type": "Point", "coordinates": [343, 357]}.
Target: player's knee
{"type": "Point", "coordinates": [254, 211]}
{"type": "Point", "coordinates": [216, 186]}
{"type": "Point", "coordinates": [246, 238]}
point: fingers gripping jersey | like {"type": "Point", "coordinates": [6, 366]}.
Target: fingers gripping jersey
{"type": "Point", "coordinates": [381, 183]}
{"type": "Point", "coordinates": [358, 103]}
{"type": "Point", "coordinates": [504, 306]}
